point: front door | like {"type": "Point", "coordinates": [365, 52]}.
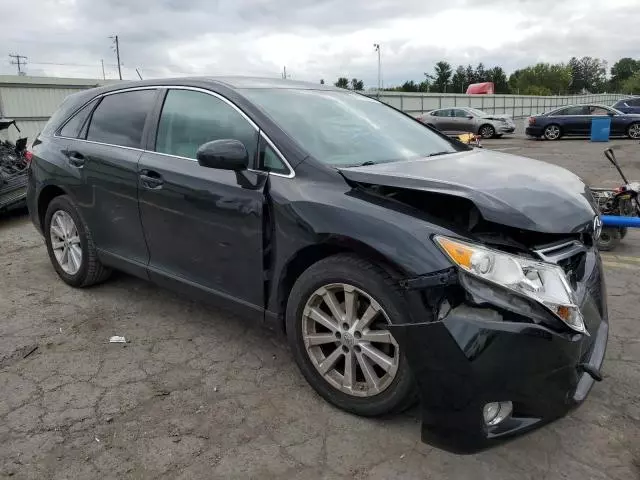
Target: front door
{"type": "Point", "coordinates": [203, 226]}
{"type": "Point", "coordinates": [462, 122]}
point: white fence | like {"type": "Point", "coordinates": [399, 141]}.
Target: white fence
{"type": "Point", "coordinates": [32, 100]}
{"type": "Point", "coordinates": [514, 105]}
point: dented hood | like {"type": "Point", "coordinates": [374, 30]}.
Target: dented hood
{"type": "Point", "coordinates": [507, 189]}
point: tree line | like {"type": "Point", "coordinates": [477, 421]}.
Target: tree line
{"type": "Point", "coordinates": [578, 75]}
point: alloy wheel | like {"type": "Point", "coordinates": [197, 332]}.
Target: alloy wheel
{"type": "Point", "coordinates": [65, 242]}
{"type": "Point", "coordinates": [487, 131]}
{"type": "Point", "coordinates": [346, 336]}
{"type": "Point", "coordinates": [634, 131]}
{"type": "Point", "coordinates": [552, 132]}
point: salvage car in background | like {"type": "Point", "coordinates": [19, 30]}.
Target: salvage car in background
{"type": "Point", "coordinates": [399, 262]}
{"type": "Point", "coordinates": [14, 161]}
{"type": "Point", "coordinates": [628, 105]}
{"type": "Point", "coordinates": [576, 120]}
{"type": "Point", "coordinates": [458, 120]}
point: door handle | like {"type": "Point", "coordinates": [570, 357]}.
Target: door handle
{"type": "Point", "coordinates": [151, 180]}
{"type": "Point", "coordinates": [76, 159]}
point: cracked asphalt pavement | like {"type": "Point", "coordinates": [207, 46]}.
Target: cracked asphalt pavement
{"type": "Point", "coordinates": [197, 393]}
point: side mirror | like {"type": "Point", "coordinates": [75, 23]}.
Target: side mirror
{"type": "Point", "coordinates": [470, 117]}
{"type": "Point", "coordinates": [225, 154]}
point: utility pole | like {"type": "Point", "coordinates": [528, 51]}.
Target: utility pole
{"type": "Point", "coordinates": [377, 48]}
{"type": "Point", "coordinates": [104, 77]}
{"type": "Point", "coordinates": [284, 73]}
{"type": "Point", "coordinates": [20, 60]}
{"type": "Point", "coordinates": [117, 44]}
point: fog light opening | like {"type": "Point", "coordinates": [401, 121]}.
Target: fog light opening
{"type": "Point", "coordinates": [496, 412]}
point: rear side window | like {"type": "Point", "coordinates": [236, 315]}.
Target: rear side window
{"type": "Point", "coordinates": [190, 119]}
{"type": "Point", "coordinates": [577, 110]}
{"type": "Point", "coordinates": [120, 118]}
{"type": "Point", "coordinates": [72, 128]}
{"type": "Point", "coordinates": [442, 113]}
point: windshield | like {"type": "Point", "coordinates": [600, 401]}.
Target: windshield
{"type": "Point", "coordinates": [478, 113]}
{"type": "Point", "coordinates": [346, 129]}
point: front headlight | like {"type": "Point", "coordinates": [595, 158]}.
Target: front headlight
{"type": "Point", "coordinates": [544, 282]}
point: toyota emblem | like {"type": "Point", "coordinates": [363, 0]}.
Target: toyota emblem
{"type": "Point", "coordinates": [597, 227]}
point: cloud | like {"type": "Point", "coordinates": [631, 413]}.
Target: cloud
{"type": "Point", "coordinates": [313, 38]}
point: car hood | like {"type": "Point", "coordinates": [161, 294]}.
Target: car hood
{"type": "Point", "coordinates": [507, 189]}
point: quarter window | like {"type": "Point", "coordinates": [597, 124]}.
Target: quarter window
{"type": "Point", "coordinates": [190, 119]}
{"type": "Point", "coordinates": [72, 128]}
{"type": "Point", "coordinates": [119, 118]}
{"type": "Point", "coordinates": [270, 161]}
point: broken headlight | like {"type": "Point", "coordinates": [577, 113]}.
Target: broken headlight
{"type": "Point", "coordinates": [544, 282]}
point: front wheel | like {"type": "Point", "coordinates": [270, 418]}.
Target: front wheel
{"type": "Point", "coordinates": [633, 131]}
{"type": "Point", "coordinates": [487, 131]}
{"type": "Point", "coordinates": [552, 132]}
{"type": "Point", "coordinates": [70, 245]}
{"type": "Point", "coordinates": [337, 320]}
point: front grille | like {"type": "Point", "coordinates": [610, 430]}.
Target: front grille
{"type": "Point", "coordinates": [571, 256]}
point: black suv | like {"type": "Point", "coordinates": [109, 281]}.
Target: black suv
{"type": "Point", "coordinates": [400, 263]}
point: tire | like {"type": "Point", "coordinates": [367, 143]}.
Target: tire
{"type": "Point", "coordinates": [487, 131]}
{"type": "Point", "coordinates": [552, 132]}
{"type": "Point", "coordinates": [399, 393]}
{"type": "Point", "coordinates": [88, 270]}
{"type": "Point", "coordinates": [633, 131]}
{"type": "Point", "coordinates": [609, 239]}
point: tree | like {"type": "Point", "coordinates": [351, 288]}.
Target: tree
{"type": "Point", "coordinates": [409, 86]}
{"type": "Point", "coordinates": [588, 74]}
{"type": "Point", "coordinates": [481, 74]}
{"type": "Point", "coordinates": [357, 84]}
{"type": "Point", "coordinates": [471, 75]}
{"type": "Point", "coordinates": [459, 80]}
{"type": "Point", "coordinates": [541, 79]}
{"type": "Point", "coordinates": [622, 70]}
{"type": "Point", "coordinates": [499, 79]}
{"type": "Point", "coordinates": [442, 76]}
{"type": "Point", "coordinates": [322, 81]}
{"type": "Point", "coordinates": [632, 84]}
{"type": "Point", "coordinates": [343, 82]}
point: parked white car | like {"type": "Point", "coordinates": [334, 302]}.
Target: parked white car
{"type": "Point", "coordinates": [462, 119]}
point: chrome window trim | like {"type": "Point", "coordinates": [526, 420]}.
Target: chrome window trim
{"type": "Point", "coordinates": [291, 173]}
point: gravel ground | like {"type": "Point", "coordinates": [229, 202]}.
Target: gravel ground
{"type": "Point", "coordinates": [197, 393]}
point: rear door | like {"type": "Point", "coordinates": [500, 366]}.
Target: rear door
{"type": "Point", "coordinates": [203, 226]}
{"type": "Point", "coordinates": [105, 155]}
{"type": "Point", "coordinates": [442, 120]}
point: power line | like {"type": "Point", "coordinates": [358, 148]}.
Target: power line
{"type": "Point", "coordinates": [18, 62]}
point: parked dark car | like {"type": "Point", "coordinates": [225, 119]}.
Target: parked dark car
{"type": "Point", "coordinates": [628, 105]}
{"type": "Point", "coordinates": [576, 120]}
{"type": "Point", "coordinates": [401, 264]}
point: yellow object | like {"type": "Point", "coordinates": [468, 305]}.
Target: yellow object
{"type": "Point", "coordinates": [460, 253]}
{"type": "Point", "coordinates": [467, 138]}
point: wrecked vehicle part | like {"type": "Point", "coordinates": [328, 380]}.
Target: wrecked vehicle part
{"type": "Point", "coordinates": [459, 359]}
{"type": "Point", "coordinates": [13, 170]}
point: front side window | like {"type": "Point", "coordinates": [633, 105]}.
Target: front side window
{"type": "Point", "coordinates": [459, 113]}
{"type": "Point", "coordinates": [347, 129]}
{"type": "Point", "coordinates": [191, 118]}
{"type": "Point", "coordinates": [72, 128]}
{"type": "Point", "coordinates": [119, 118]}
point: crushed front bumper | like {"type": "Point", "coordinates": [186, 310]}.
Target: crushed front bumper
{"type": "Point", "coordinates": [478, 354]}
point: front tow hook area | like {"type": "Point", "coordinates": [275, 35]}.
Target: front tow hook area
{"type": "Point", "coordinates": [591, 370]}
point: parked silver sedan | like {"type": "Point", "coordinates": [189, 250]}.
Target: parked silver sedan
{"type": "Point", "coordinates": [462, 119]}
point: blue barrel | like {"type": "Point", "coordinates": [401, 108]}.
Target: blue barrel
{"type": "Point", "coordinates": [619, 221]}
{"type": "Point", "coordinates": [600, 129]}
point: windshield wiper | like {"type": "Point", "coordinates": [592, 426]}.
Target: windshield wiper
{"type": "Point", "coordinates": [367, 163]}
{"type": "Point", "coordinates": [438, 153]}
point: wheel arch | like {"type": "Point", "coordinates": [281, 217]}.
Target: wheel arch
{"type": "Point", "coordinates": [47, 194]}
{"type": "Point", "coordinates": [311, 254]}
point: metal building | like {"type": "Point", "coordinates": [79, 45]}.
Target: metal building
{"type": "Point", "coordinates": [30, 101]}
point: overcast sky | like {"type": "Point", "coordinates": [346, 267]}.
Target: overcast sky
{"type": "Point", "coordinates": [314, 38]}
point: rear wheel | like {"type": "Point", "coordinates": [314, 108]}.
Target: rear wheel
{"type": "Point", "coordinates": [70, 245]}
{"type": "Point", "coordinates": [552, 132]}
{"type": "Point", "coordinates": [633, 131]}
{"type": "Point", "coordinates": [487, 131]}
{"type": "Point", "coordinates": [609, 239]}
{"type": "Point", "coordinates": [337, 317]}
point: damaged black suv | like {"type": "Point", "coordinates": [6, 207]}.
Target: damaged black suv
{"type": "Point", "coordinates": [401, 264]}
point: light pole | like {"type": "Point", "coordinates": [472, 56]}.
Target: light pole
{"type": "Point", "coordinates": [377, 48]}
